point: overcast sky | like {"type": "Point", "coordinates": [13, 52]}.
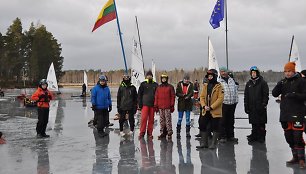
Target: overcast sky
{"type": "Point", "coordinates": [173, 32]}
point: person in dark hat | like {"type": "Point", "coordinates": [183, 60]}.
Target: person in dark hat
{"type": "Point", "coordinates": [256, 97]}
{"type": "Point", "coordinates": [127, 103]}
{"type": "Point", "coordinates": [184, 92]}
{"type": "Point", "coordinates": [211, 99]}
{"type": "Point", "coordinates": [292, 111]}
{"type": "Point", "coordinates": [146, 94]}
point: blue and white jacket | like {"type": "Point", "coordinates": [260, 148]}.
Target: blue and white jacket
{"type": "Point", "coordinates": [230, 91]}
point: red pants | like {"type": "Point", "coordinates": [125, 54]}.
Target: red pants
{"type": "Point", "coordinates": [147, 116]}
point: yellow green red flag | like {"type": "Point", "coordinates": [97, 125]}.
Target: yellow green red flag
{"type": "Point", "coordinates": [107, 14]}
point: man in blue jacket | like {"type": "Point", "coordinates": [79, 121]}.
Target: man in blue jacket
{"type": "Point", "coordinates": [101, 103]}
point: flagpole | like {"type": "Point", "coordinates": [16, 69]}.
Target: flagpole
{"type": "Point", "coordinates": [291, 47]}
{"type": "Point", "coordinates": [208, 54]}
{"type": "Point", "coordinates": [122, 48]}
{"type": "Point", "coordinates": [226, 38]}
{"type": "Point", "coordinates": [140, 43]}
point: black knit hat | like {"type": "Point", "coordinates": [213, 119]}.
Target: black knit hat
{"type": "Point", "coordinates": [303, 72]}
{"type": "Point", "coordinates": [149, 73]}
{"type": "Point", "coordinates": [186, 76]}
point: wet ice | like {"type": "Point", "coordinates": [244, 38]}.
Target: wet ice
{"type": "Point", "coordinates": [75, 148]}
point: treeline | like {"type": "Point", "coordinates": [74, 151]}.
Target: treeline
{"type": "Point", "coordinates": [27, 55]}
{"type": "Point", "coordinates": [115, 77]}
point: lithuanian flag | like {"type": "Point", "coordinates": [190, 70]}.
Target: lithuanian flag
{"type": "Point", "coordinates": [107, 14]}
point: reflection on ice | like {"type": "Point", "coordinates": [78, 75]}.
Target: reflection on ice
{"type": "Point", "coordinates": [75, 148]}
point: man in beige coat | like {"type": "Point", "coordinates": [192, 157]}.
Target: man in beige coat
{"type": "Point", "coordinates": [211, 100]}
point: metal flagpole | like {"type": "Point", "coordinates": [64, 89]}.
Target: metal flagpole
{"type": "Point", "coordinates": [226, 40]}
{"type": "Point", "coordinates": [291, 47]}
{"type": "Point", "coordinates": [123, 53]}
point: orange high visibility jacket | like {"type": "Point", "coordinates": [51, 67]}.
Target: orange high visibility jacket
{"type": "Point", "coordinates": [42, 102]}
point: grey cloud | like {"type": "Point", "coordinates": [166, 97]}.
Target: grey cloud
{"type": "Point", "coordinates": [174, 32]}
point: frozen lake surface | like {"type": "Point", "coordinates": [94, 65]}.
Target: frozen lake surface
{"type": "Point", "coordinates": [75, 148]}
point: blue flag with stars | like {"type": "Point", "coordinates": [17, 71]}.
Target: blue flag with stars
{"type": "Point", "coordinates": [217, 15]}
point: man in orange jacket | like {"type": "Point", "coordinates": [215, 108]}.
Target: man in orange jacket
{"type": "Point", "coordinates": [43, 96]}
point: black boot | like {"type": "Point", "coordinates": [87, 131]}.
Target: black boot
{"type": "Point", "coordinates": [214, 140]}
{"type": "Point", "coordinates": [188, 131]}
{"type": "Point", "coordinates": [163, 134]}
{"type": "Point", "coordinates": [198, 135]}
{"type": "Point", "coordinates": [262, 135]}
{"type": "Point", "coordinates": [253, 137]}
{"type": "Point", "coordinates": [294, 159]}
{"type": "Point", "coordinates": [178, 131]}
{"type": "Point", "coordinates": [203, 141]}
{"type": "Point", "coordinates": [301, 157]}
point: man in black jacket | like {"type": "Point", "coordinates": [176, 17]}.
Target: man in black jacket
{"type": "Point", "coordinates": [292, 111]}
{"type": "Point", "coordinates": [127, 103]}
{"type": "Point", "coordinates": [256, 97]}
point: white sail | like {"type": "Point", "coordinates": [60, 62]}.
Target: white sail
{"type": "Point", "coordinates": [137, 71]}
{"type": "Point", "coordinates": [51, 79]}
{"type": "Point", "coordinates": [52, 114]}
{"type": "Point", "coordinates": [212, 59]}
{"type": "Point", "coordinates": [85, 81]}
{"type": "Point", "coordinates": [295, 57]}
{"type": "Point", "coordinates": [154, 71]}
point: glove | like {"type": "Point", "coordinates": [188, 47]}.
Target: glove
{"type": "Point", "coordinates": [172, 109]}
{"type": "Point", "coordinates": [93, 107]}
{"type": "Point", "coordinates": [291, 95]}
{"type": "Point", "coordinates": [46, 96]}
{"type": "Point", "coordinates": [41, 96]}
{"type": "Point", "coordinates": [110, 108]}
{"type": "Point", "coordinates": [280, 83]}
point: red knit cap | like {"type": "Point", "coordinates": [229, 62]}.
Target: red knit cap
{"type": "Point", "coordinates": [290, 66]}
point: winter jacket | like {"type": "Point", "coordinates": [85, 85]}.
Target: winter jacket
{"type": "Point", "coordinates": [230, 91]}
{"type": "Point", "coordinates": [164, 96]}
{"type": "Point", "coordinates": [101, 97]}
{"type": "Point", "coordinates": [256, 97]}
{"type": "Point", "coordinates": [127, 97]}
{"type": "Point", "coordinates": [184, 100]}
{"type": "Point", "coordinates": [146, 93]}
{"type": "Point", "coordinates": [293, 96]}
{"type": "Point", "coordinates": [42, 97]}
{"type": "Point", "coordinates": [214, 101]}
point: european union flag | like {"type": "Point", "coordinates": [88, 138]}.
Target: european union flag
{"type": "Point", "coordinates": [217, 15]}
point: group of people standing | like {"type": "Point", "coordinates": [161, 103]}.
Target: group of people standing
{"type": "Point", "coordinates": [218, 100]}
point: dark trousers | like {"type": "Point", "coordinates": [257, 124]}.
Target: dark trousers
{"type": "Point", "coordinates": [259, 131]}
{"type": "Point", "coordinates": [43, 118]}
{"type": "Point", "coordinates": [131, 119]}
{"type": "Point", "coordinates": [95, 121]}
{"type": "Point", "coordinates": [101, 116]}
{"type": "Point", "coordinates": [207, 120]}
{"type": "Point", "coordinates": [227, 121]}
